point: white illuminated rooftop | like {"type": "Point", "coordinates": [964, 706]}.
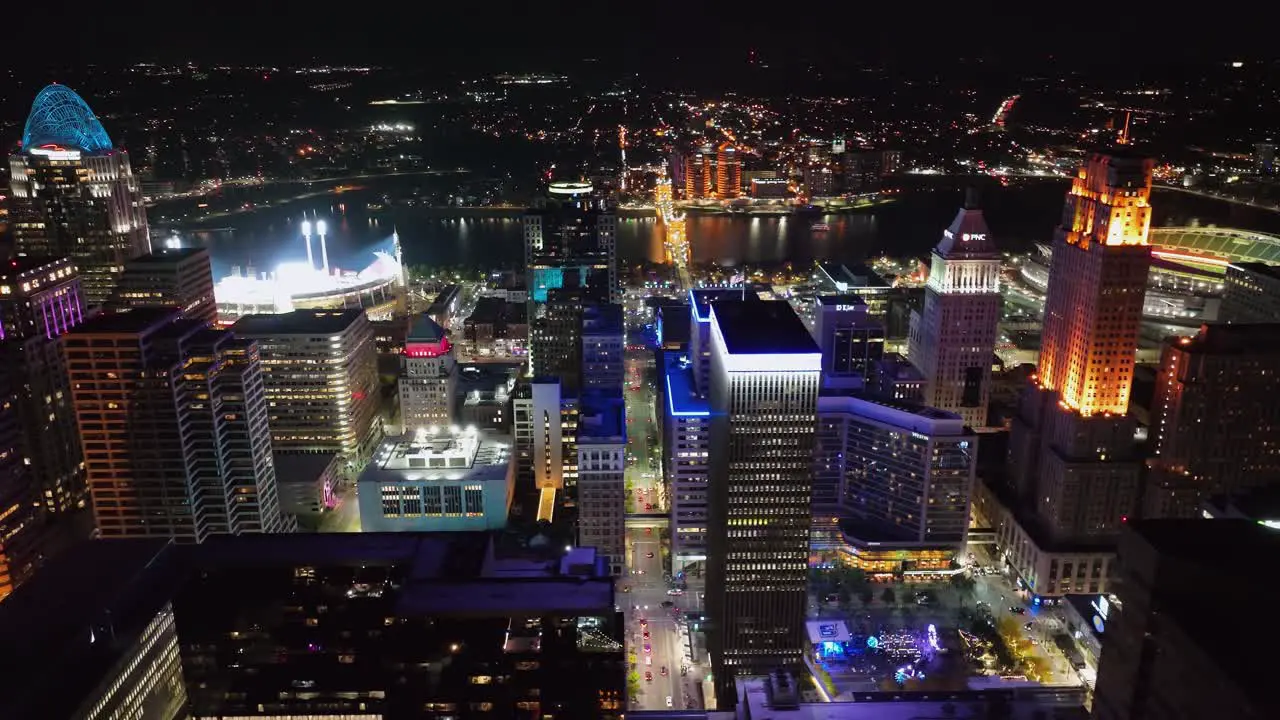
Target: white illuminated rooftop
{"type": "Point", "coordinates": [440, 453]}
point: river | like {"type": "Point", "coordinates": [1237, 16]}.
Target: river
{"type": "Point", "coordinates": [1019, 216]}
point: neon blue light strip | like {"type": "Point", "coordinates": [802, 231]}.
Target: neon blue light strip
{"type": "Point", "coordinates": [693, 303]}
{"type": "Point", "coordinates": [671, 404]}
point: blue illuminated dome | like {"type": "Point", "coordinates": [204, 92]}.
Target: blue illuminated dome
{"type": "Point", "coordinates": [61, 117]}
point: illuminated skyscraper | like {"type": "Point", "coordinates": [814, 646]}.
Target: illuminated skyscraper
{"type": "Point", "coordinates": [169, 277]}
{"type": "Point", "coordinates": [1072, 447]}
{"type": "Point", "coordinates": [19, 516]}
{"type": "Point", "coordinates": [39, 302]}
{"type": "Point", "coordinates": [765, 370]}
{"type": "Point", "coordinates": [321, 376]}
{"type": "Point", "coordinates": [74, 194]}
{"type": "Point", "coordinates": [1209, 430]}
{"type": "Point", "coordinates": [697, 175]}
{"type": "Point", "coordinates": [953, 341]}
{"type": "Point", "coordinates": [428, 377]}
{"type": "Point", "coordinates": [728, 172]}
{"type": "Point", "coordinates": [174, 421]}
{"type": "Point", "coordinates": [570, 240]}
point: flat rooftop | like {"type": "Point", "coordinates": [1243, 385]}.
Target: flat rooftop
{"type": "Point", "coordinates": [1233, 339]}
{"type": "Point", "coordinates": [301, 467]}
{"type": "Point", "coordinates": [843, 299]}
{"type": "Point", "coordinates": [703, 298]}
{"type": "Point", "coordinates": [442, 454]}
{"type": "Point", "coordinates": [20, 265]}
{"type": "Point", "coordinates": [844, 277]}
{"type": "Point", "coordinates": [86, 607]}
{"type": "Point", "coordinates": [602, 417]}
{"type": "Point", "coordinates": [762, 327]}
{"type": "Point", "coordinates": [136, 320]}
{"type": "Point", "coordinates": [168, 256]}
{"type": "Point", "coordinates": [909, 416]}
{"type": "Point", "coordinates": [682, 401]}
{"type": "Point", "coordinates": [298, 322]}
{"type": "Point", "coordinates": [602, 319]}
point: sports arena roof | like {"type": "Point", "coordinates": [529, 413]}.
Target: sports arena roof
{"type": "Point", "coordinates": [1226, 244]}
{"type": "Point", "coordinates": [61, 117]}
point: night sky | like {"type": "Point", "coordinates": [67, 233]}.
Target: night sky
{"type": "Point", "coordinates": [545, 35]}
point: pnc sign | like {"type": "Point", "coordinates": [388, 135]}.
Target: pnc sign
{"type": "Point", "coordinates": [977, 237]}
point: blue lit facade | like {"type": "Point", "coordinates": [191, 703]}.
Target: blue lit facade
{"type": "Point", "coordinates": [61, 117]}
{"type": "Point", "coordinates": [686, 427]}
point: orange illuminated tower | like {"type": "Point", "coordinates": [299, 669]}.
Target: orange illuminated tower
{"type": "Point", "coordinates": [697, 175]}
{"type": "Point", "coordinates": [1072, 447]}
{"type": "Point", "coordinates": [728, 172]}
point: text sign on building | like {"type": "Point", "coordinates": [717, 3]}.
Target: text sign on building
{"type": "Point", "coordinates": [976, 237]}
{"type": "Point", "coordinates": [846, 308]}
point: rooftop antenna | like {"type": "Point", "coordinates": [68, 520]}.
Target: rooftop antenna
{"type": "Point", "coordinates": [1124, 134]}
{"type": "Point", "coordinates": [971, 198]}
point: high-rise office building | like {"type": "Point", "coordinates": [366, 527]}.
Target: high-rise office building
{"type": "Point", "coordinates": [700, 303]}
{"type": "Point", "coordinates": [173, 419]}
{"type": "Point", "coordinates": [392, 626]}
{"type": "Point", "coordinates": [851, 340]}
{"type": "Point", "coordinates": [321, 375]}
{"type": "Point", "coordinates": [21, 517]}
{"type": "Point", "coordinates": [555, 338]}
{"type": "Point", "coordinates": [74, 194]}
{"type": "Point", "coordinates": [546, 430]}
{"type": "Point", "coordinates": [1210, 432]}
{"type": "Point", "coordinates": [901, 475]}
{"type": "Point", "coordinates": [1251, 294]}
{"type": "Point", "coordinates": [765, 370]}
{"type": "Point", "coordinates": [428, 377]}
{"type": "Point", "coordinates": [570, 240]}
{"type": "Point", "coordinates": [603, 343]}
{"type": "Point", "coordinates": [728, 172]}
{"type": "Point", "coordinates": [1181, 645]}
{"type": "Point", "coordinates": [169, 277]}
{"type": "Point", "coordinates": [40, 300]}
{"type": "Point", "coordinates": [953, 341]}
{"type": "Point", "coordinates": [1072, 450]}
{"type": "Point", "coordinates": [602, 462]}
{"type": "Point", "coordinates": [686, 428]}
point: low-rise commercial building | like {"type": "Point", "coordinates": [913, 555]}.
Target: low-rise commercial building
{"type": "Point", "coordinates": [438, 479]}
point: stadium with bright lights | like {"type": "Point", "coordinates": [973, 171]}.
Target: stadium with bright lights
{"type": "Point", "coordinates": [1188, 267]}
{"type": "Point", "coordinates": [314, 284]}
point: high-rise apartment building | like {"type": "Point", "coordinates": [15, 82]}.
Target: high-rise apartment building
{"type": "Point", "coordinates": [171, 277]}
{"type": "Point", "coordinates": [1210, 432]}
{"type": "Point", "coordinates": [1072, 451]}
{"type": "Point", "coordinates": [765, 370]}
{"type": "Point", "coordinates": [697, 175]}
{"type": "Point", "coordinates": [953, 341]}
{"type": "Point", "coordinates": [851, 340]}
{"type": "Point", "coordinates": [40, 300]}
{"type": "Point", "coordinates": [602, 462]}
{"type": "Point", "coordinates": [1251, 293]}
{"type": "Point", "coordinates": [686, 429]}
{"type": "Point", "coordinates": [321, 375]}
{"type": "Point", "coordinates": [1165, 654]}
{"type": "Point", "coordinates": [74, 194]}
{"type": "Point", "coordinates": [428, 377]}
{"type": "Point", "coordinates": [173, 417]}
{"type": "Point", "coordinates": [901, 475]}
{"type": "Point", "coordinates": [603, 344]}
{"type": "Point", "coordinates": [570, 240]}
{"type": "Point", "coordinates": [728, 172]}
